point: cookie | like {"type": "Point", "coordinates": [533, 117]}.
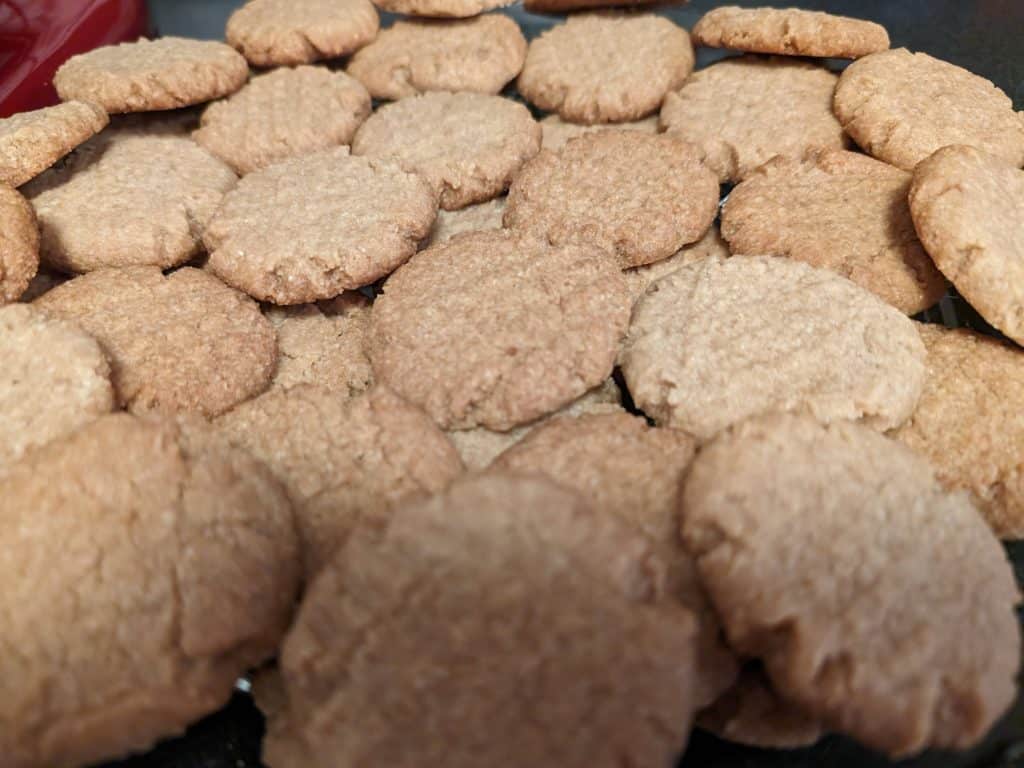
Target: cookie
{"type": "Point", "coordinates": [144, 570]}
{"type": "Point", "coordinates": [832, 554]}
{"type": "Point", "coordinates": [482, 54]}
{"type": "Point", "coordinates": [711, 245]}
{"type": "Point", "coordinates": [557, 131]}
{"type": "Point", "coordinates": [284, 113]}
{"type": "Point", "coordinates": [19, 245]}
{"type": "Point", "coordinates": [182, 342]}
{"type": "Point", "coordinates": [469, 146]}
{"type": "Point", "coordinates": [775, 106]}
{"type": "Point", "coordinates": [510, 602]}
{"type": "Point", "coordinates": [966, 207]}
{"type": "Point", "coordinates": [494, 329]}
{"type": "Point", "coordinates": [148, 75]}
{"type": "Point", "coordinates": [790, 32]}
{"type": "Point", "coordinates": [129, 196]}
{"type": "Point", "coordinates": [725, 339]}
{"type": "Point", "coordinates": [457, 9]}
{"type": "Point", "coordinates": [841, 211]}
{"type": "Point", "coordinates": [284, 33]}
{"type": "Point", "coordinates": [639, 197]}
{"type": "Point", "coordinates": [30, 142]}
{"type": "Point", "coordinates": [280, 239]}
{"type": "Point", "coordinates": [472, 218]}
{"type": "Point", "coordinates": [606, 67]}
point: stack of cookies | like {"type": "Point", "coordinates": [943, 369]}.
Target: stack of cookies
{"type": "Point", "coordinates": [488, 437]}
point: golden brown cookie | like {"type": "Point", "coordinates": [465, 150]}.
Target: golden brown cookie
{"type": "Point", "coordinates": [457, 9]}
{"type": "Point", "coordinates": [557, 131]}
{"type": "Point", "coordinates": [711, 245]}
{"type": "Point", "coordinates": [19, 244]}
{"type": "Point", "coordinates": [30, 142]}
{"type": "Point", "coordinates": [472, 218]}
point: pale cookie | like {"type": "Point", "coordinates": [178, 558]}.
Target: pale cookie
{"type": "Point", "coordinates": [144, 570]}
{"type": "Point", "coordinates": [742, 112]}
{"type": "Point", "coordinates": [482, 54]}
{"type": "Point", "coordinates": [967, 208]}
{"type": "Point", "coordinates": [469, 146]}
{"type": "Point", "coordinates": [129, 196]}
{"type": "Point", "coordinates": [148, 75]}
{"type": "Point", "coordinates": [493, 329]}
{"type": "Point", "coordinates": [30, 142]}
{"type": "Point", "coordinates": [177, 342]}
{"type": "Point", "coordinates": [557, 131]}
{"type": "Point", "coordinates": [902, 106]}
{"type": "Point", "coordinates": [457, 9]}
{"type": "Point", "coordinates": [284, 113]}
{"type": "Point", "coordinates": [639, 197]}
{"type": "Point", "coordinates": [790, 32]}
{"type": "Point", "coordinates": [312, 227]}
{"type": "Point", "coordinates": [275, 33]}
{"type": "Point", "coordinates": [472, 218]}
{"type": "Point", "coordinates": [875, 600]}
{"type": "Point", "coordinates": [606, 67]}
{"type": "Point", "coordinates": [511, 604]}
{"type": "Point", "coordinates": [19, 244]}
{"type": "Point", "coordinates": [724, 339]}
{"type": "Point", "coordinates": [711, 245]}
{"type": "Point", "coordinates": [840, 211]}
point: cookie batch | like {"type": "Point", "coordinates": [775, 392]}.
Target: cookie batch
{"type": "Point", "coordinates": [432, 379]}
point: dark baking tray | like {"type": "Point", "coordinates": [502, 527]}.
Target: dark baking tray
{"type": "Point", "coordinates": [985, 36]}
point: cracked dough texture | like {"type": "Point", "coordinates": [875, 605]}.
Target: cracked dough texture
{"type": "Point", "coordinates": [493, 329]}
{"type": "Point", "coordinates": [744, 111]}
{"type": "Point", "coordinates": [30, 142]}
{"type": "Point", "coordinates": [312, 227]}
{"type": "Point", "coordinates": [284, 113]}
{"type": "Point", "coordinates": [472, 218]}
{"type": "Point", "coordinates": [833, 555]}
{"type": "Point", "coordinates": [19, 244]}
{"type": "Point", "coordinates": [557, 131]}
{"type": "Point", "coordinates": [637, 196]}
{"type": "Point", "coordinates": [840, 211]}
{"type": "Point", "coordinates": [711, 245]}
{"type": "Point", "coordinates": [276, 33]}
{"type": "Point", "coordinates": [148, 75]}
{"type": "Point", "coordinates": [182, 342]}
{"type": "Point", "coordinates": [967, 208]}
{"type": "Point", "coordinates": [511, 603]}
{"type": "Point", "coordinates": [144, 570]}
{"type": "Point", "coordinates": [725, 339]}
{"type": "Point", "coordinates": [482, 54]}
{"type": "Point", "coordinates": [606, 67]}
{"type": "Point", "coordinates": [901, 107]}
{"type": "Point", "coordinates": [457, 9]}
{"type": "Point", "coordinates": [469, 146]}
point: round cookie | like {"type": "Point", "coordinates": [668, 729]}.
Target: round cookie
{"type": "Point", "coordinates": [774, 106]}
{"type": "Point", "coordinates": [283, 33]}
{"type": "Point", "coordinates": [19, 245]}
{"type": "Point", "coordinates": [901, 107]}
{"type": "Point", "coordinates": [182, 342]}
{"type": "Point", "coordinates": [494, 329]}
{"type": "Point", "coordinates": [144, 570]}
{"type": "Point", "coordinates": [472, 218]}
{"type": "Point", "coordinates": [711, 245]}
{"type": "Point", "coordinates": [790, 32]}
{"type": "Point", "coordinates": [469, 146]}
{"type": "Point", "coordinates": [557, 131]}
{"type": "Point", "coordinates": [725, 339]}
{"type": "Point", "coordinates": [874, 599]}
{"type": "Point", "coordinates": [280, 237]}
{"type": "Point", "coordinates": [30, 142]}
{"type": "Point", "coordinates": [840, 211]}
{"type": "Point", "coordinates": [482, 54]}
{"type": "Point", "coordinates": [457, 9]}
{"type": "Point", "coordinates": [967, 207]}
{"type": "Point", "coordinates": [606, 67]}
{"type": "Point", "coordinates": [639, 197]}
{"type": "Point", "coordinates": [511, 603]}
{"type": "Point", "coordinates": [284, 113]}
{"type": "Point", "coordinates": [148, 75]}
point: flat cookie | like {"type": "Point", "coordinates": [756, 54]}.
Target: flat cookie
{"type": "Point", "coordinates": [148, 75]}
{"type": "Point", "coordinates": [840, 211]}
{"type": "Point", "coordinates": [182, 342]}
{"type": "Point", "coordinates": [280, 238]}
{"type": "Point", "coordinates": [901, 107]}
{"type": "Point", "coordinates": [875, 600]}
{"type": "Point", "coordinates": [557, 131]}
{"type": "Point", "coordinates": [144, 571]}
{"type": "Point", "coordinates": [482, 54]}
{"type": "Point", "coordinates": [469, 146]}
{"type": "Point", "coordinates": [639, 197]}
{"type": "Point", "coordinates": [606, 67]}
{"type": "Point", "coordinates": [457, 9]}
{"type": "Point", "coordinates": [472, 218]}
{"type": "Point", "coordinates": [967, 208]}
{"type": "Point", "coordinates": [710, 246]}
{"type": "Point", "coordinates": [494, 329]}
{"type": "Point", "coordinates": [19, 244]}
{"type": "Point", "coordinates": [284, 113]}
{"type": "Point", "coordinates": [511, 603]}
{"type": "Point", "coordinates": [719, 341]}
{"type": "Point", "coordinates": [30, 142]}
{"type": "Point", "coordinates": [742, 112]}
